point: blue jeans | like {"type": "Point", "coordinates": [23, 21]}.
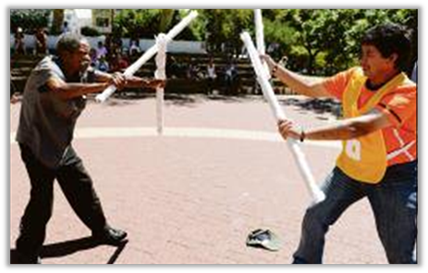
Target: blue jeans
{"type": "Point", "coordinates": [394, 205]}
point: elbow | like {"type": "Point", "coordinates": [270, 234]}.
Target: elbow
{"type": "Point", "coordinates": [359, 129]}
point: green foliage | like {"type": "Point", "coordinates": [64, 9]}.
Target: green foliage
{"type": "Point", "coordinates": [223, 26]}
{"type": "Point", "coordinates": [196, 31]}
{"type": "Point", "coordinates": [89, 31]}
{"type": "Point", "coordinates": [28, 19]}
{"type": "Point", "coordinates": [137, 23]}
{"type": "Point", "coordinates": [279, 32]}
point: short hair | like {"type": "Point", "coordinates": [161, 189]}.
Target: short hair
{"type": "Point", "coordinates": [390, 38]}
{"type": "Point", "coordinates": [69, 42]}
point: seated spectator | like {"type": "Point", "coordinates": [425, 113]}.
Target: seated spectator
{"type": "Point", "coordinates": [19, 42]}
{"type": "Point", "coordinates": [118, 63]}
{"type": "Point", "coordinates": [211, 75]}
{"type": "Point", "coordinates": [134, 51]}
{"type": "Point", "coordinates": [134, 47]}
{"type": "Point", "coordinates": [65, 27]}
{"type": "Point", "coordinates": [231, 78]}
{"type": "Point", "coordinates": [102, 64]}
{"type": "Point", "coordinates": [41, 42]}
{"type": "Point", "coordinates": [230, 73]}
{"type": "Point", "coordinates": [93, 55]}
{"type": "Point", "coordinates": [101, 50]}
{"type": "Point", "coordinates": [211, 69]}
{"type": "Point", "coordinates": [192, 70]}
{"type": "Point", "coordinates": [116, 44]}
{"type": "Point", "coordinates": [108, 44]}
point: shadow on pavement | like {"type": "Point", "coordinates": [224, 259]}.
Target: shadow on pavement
{"type": "Point", "coordinates": [117, 252]}
{"type": "Point", "coordinates": [187, 100]}
{"type": "Point", "coordinates": [69, 247]}
{"type": "Point", "coordinates": [316, 105]}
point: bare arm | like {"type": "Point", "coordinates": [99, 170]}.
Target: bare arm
{"type": "Point", "coordinates": [340, 130]}
{"type": "Point", "coordinates": [304, 85]}
{"type": "Point", "coordinates": [143, 82]}
{"type": "Point", "coordinates": [130, 81]}
{"type": "Point", "coordinates": [67, 91]}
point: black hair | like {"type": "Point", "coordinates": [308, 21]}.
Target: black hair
{"type": "Point", "coordinates": [391, 38]}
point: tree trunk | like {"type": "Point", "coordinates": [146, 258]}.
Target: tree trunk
{"type": "Point", "coordinates": [310, 64]}
{"type": "Point", "coordinates": [58, 18]}
{"type": "Point", "coordinates": [166, 18]}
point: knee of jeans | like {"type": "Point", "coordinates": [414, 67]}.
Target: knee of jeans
{"type": "Point", "coordinates": [412, 201]}
{"type": "Point", "coordinates": [33, 227]}
{"type": "Point", "coordinates": [315, 218]}
{"type": "Point", "coordinates": [400, 251]}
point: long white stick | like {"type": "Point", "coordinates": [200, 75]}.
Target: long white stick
{"type": "Point", "coordinates": [316, 193]}
{"type": "Point", "coordinates": [260, 40]}
{"type": "Point", "coordinates": [148, 54]}
{"type": "Point", "coordinates": [161, 41]}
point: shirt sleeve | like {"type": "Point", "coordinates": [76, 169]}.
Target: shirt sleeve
{"type": "Point", "coordinates": [399, 107]}
{"type": "Point", "coordinates": [336, 84]}
{"type": "Point", "coordinates": [44, 76]}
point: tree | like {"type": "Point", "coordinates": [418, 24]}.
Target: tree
{"type": "Point", "coordinates": [143, 23]}
{"type": "Point", "coordinates": [223, 26]}
{"type": "Point", "coordinates": [321, 31]}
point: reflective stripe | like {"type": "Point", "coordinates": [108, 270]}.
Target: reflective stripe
{"type": "Point", "coordinates": [397, 135]}
{"type": "Point", "coordinates": [404, 149]}
{"type": "Point", "coordinates": [402, 143]}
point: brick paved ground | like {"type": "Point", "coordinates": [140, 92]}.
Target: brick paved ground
{"type": "Point", "coordinates": [189, 200]}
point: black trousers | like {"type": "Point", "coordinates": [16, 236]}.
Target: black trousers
{"type": "Point", "coordinates": [77, 187]}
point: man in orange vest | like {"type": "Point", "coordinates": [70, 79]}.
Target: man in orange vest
{"type": "Point", "coordinates": [379, 135]}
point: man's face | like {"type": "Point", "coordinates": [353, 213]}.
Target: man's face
{"type": "Point", "coordinates": [79, 60]}
{"type": "Point", "coordinates": [374, 65]}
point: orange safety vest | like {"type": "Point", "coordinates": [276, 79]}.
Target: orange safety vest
{"type": "Point", "coordinates": [364, 158]}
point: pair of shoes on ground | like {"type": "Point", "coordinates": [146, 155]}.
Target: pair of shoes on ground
{"type": "Point", "coordinates": [264, 238]}
{"type": "Point", "coordinates": [110, 236]}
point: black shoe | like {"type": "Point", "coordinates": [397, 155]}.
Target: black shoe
{"type": "Point", "coordinates": [21, 258]}
{"type": "Point", "coordinates": [110, 236]}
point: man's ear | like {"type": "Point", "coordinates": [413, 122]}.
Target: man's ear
{"type": "Point", "coordinates": [393, 58]}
